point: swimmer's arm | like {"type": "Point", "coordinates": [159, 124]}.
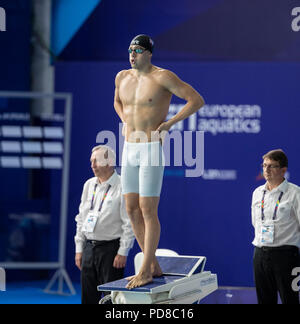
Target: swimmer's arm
{"type": "Point", "coordinates": [117, 101]}
{"type": "Point", "coordinates": [184, 91]}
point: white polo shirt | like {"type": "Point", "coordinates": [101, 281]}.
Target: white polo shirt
{"type": "Point", "coordinates": [287, 222]}
{"type": "Point", "coordinates": [113, 221]}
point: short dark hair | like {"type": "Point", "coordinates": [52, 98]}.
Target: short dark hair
{"type": "Point", "coordinates": [278, 156]}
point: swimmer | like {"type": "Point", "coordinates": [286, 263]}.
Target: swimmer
{"type": "Point", "coordinates": [142, 98]}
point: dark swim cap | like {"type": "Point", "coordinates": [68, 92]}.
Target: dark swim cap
{"type": "Point", "coordinates": [144, 41]}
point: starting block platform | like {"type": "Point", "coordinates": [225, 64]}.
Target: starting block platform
{"type": "Point", "coordinates": [184, 281]}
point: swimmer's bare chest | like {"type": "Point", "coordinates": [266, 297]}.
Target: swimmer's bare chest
{"type": "Point", "coordinates": [145, 102]}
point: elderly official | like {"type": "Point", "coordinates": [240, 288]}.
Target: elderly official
{"type": "Point", "coordinates": [276, 219]}
{"type": "Point", "coordinates": [104, 234]}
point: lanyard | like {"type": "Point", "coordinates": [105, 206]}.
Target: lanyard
{"type": "Point", "coordinates": [102, 201]}
{"type": "Point", "coordinates": [263, 206]}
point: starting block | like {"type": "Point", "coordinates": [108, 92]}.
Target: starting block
{"type": "Point", "coordinates": [184, 281]}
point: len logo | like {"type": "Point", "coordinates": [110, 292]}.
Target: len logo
{"type": "Point", "coordinates": [2, 19]}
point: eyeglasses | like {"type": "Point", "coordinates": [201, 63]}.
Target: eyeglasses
{"type": "Point", "coordinates": [270, 166]}
{"type": "Point", "coordinates": [136, 50]}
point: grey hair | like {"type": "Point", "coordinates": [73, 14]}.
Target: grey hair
{"type": "Point", "coordinates": [109, 153]}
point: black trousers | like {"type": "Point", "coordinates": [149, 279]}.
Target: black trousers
{"type": "Point", "coordinates": [273, 273]}
{"type": "Point", "coordinates": [97, 268]}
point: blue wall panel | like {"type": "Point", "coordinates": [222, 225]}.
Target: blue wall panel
{"type": "Point", "coordinates": [256, 30]}
{"type": "Point", "coordinates": [15, 67]}
{"type": "Point", "coordinates": [67, 19]}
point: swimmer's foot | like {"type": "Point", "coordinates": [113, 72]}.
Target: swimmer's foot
{"type": "Point", "coordinates": [140, 280]}
{"type": "Point", "coordinates": [155, 270]}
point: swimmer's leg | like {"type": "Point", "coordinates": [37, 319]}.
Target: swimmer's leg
{"type": "Point", "coordinates": [137, 221]}
{"type": "Point", "coordinates": [138, 224]}
{"type": "Point", "coordinates": [151, 230]}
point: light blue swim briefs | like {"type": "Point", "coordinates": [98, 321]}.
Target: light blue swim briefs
{"type": "Point", "coordinates": [142, 169]}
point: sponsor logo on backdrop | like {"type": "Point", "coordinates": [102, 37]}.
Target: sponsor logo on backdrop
{"type": "Point", "coordinates": [296, 19]}
{"type": "Point", "coordinates": [2, 20]}
{"type": "Point", "coordinates": [215, 174]}
{"type": "Point", "coordinates": [260, 176]}
{"type": "Point", "coordinates": [221, 119]}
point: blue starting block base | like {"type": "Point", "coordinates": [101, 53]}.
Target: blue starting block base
{"type": "Point", "coordinates": [184, 281]}
{"type": "Point", "coordinates": [120, 285]}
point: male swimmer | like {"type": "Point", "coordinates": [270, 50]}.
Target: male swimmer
{"type": "Point", "coordinates": [142, 99]}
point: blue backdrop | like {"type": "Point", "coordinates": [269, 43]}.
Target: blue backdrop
{"type": "Point", "coordinates": [256, 30]}
{"type": "Point", "coordinates": [15, 67]}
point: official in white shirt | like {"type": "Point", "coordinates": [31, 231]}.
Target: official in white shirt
{"type": "Point", "coordinates": [276, 219]}
{"type": "Point", "coordinates": [104, 233]}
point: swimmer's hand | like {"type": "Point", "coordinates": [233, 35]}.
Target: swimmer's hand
{"type": "Point", "coordinates": [162, 131]}
{"type": "Point", "coordinates": [164, 127]}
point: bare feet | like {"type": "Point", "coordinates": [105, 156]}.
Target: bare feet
{"type": "Point", "coordinates": [140, 280]}
{"type": "Point", "coordinates": [155, 270]}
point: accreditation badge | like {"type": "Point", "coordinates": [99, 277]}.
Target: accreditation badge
{"type": "Point", "coordinates": [267, 234]}
{"type": "Point", "coordinates": [90, 223]}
